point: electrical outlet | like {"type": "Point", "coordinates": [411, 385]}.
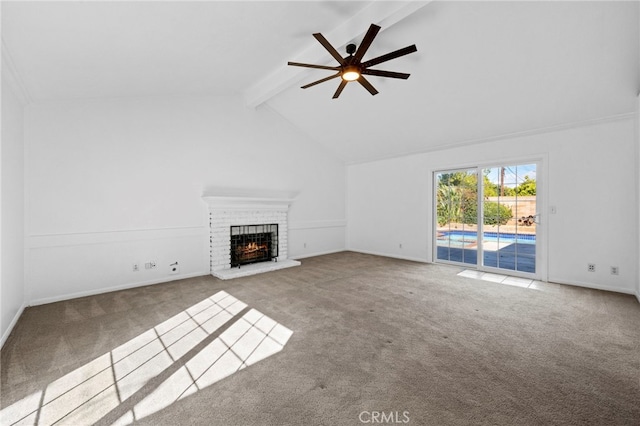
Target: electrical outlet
{"type": "Point", "coordinates": [400, 245]}
{"type": "Point", "coordinates": [615, 270]}
{"type": "Point", "coordinates": [150, 265]}
{"type": "Point", "coordinates": [591, 267]}
{"type": "Point", "coordinates": [305, 245]}
{"type": "Point", "coordinates": [136, 267]}
{"type": "Point", "coordinates": [174, 268]}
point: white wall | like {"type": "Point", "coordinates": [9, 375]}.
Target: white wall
{"type": "Point", "coordinates": [112, 183]}
{"type": "Point", "coordinates": [588, 173]}
{"type": "Point", "coordinates": [638, 180]}
{"type": "Point", "coordinates": [12, 224]}
{"type": "Point", "coordinates": [638, 174]}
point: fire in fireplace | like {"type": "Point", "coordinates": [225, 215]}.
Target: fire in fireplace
{"type": "Point", "coordinates": [253, 243]}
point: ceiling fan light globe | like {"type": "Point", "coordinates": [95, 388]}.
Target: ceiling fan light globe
{"type": "Point", "coordinates": [350, 74]}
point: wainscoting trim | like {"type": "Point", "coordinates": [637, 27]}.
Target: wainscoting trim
{"type": "Point", "coordinates": [105, 237]}
{"type": "Point", "coordinates": [315, 224]}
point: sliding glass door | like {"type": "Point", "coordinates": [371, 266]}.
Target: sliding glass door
{"type": "Point", "coordinates": [510, 216]}
{"type": "Point", "coordinates": [457, 216]}
{"type": "Point", "coordinates": [487, 217]}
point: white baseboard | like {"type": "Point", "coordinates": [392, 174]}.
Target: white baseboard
{"type": "Point", "coordinates": [13, 323]}
{"type": "Point", "coordinates": [566, 282]}
{"type": "Point", "coordinates": [591, 285]}
{"type": "Point", "coordinates": [46, 300]}
{"type": "Point", "coordinates": [394, 256]}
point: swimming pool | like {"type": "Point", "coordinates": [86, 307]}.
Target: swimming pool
{"type": "Point", "coordinates": [469, 239]}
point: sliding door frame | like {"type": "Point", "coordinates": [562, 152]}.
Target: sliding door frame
{"type": "Point", "coordinates": [541, 257]}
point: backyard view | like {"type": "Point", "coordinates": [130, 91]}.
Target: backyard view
{"type": "Point", "coordinates": [508, 206]}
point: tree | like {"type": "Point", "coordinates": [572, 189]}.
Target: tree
{"type": "Point", "coordinates": [457, 198]}
{"type": "Point", "coordinates": [490, 189]}
{"type": "Point", "coordinates": [448, 204]}
{"type": "Point", "coordinates": [456, 193]}
{"type": "Point", "coordinates": [527, 187]}
{"type": "Point", "coordinates": [493, 189]}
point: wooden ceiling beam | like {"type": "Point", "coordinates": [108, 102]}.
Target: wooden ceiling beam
{"type": "Point", "coordinates": [384, 14]}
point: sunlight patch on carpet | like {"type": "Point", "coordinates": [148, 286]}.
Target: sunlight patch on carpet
{"type": "Point", "coordinates": [497, 278]}
{"type": "Point", "coordinates": [158, 367]}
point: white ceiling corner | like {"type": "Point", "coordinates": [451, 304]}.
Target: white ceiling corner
{"type": "Point", "coordinates": [12, 77]}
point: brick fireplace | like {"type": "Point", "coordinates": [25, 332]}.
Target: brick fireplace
{"type": "Point", "coordinates": [262, 214]}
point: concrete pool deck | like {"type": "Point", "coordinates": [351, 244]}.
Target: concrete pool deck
{"type": "Point", "coordinates": [509, 228]}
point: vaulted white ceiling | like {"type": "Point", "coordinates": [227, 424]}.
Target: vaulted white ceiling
{"type": "Point", "coordinates": [93, 49]}
{"type": "Point", "coordinates": [482, 70]}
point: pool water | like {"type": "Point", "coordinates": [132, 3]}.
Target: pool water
{"type": "Point", "coordinates": [469, 239]}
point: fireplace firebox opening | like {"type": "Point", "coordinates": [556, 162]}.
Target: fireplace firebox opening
{"type": "Point", "coordinates": [253, 243]}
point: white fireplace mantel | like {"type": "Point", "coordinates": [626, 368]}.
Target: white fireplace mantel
{"type": "Point", "coordinates": [244, 203]}
{"type": "Point", "coordinates": [246, 199]}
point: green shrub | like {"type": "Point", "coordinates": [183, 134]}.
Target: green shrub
{"type": "Point", "coordinates": [494, 214]}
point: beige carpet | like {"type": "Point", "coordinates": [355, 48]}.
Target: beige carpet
{"type": "Point", "coordinates": [373, 338]}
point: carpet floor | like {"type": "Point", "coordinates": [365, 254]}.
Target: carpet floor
{"type": "Point", "coordinates": [374, 340]}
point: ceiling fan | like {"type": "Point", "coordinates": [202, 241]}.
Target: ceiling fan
{"type": "Point", "coordinates": [352, 68]}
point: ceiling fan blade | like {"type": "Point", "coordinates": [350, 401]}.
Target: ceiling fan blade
{"type": "Point", "coordinates": [391, 74]}
{"type": "Point", "coordinates": [323, 41]}
{"type": "Point", "coordinates": [341, 87]}
{"type": "Point", "coordinates": [365, 83]}
{"type": "Point", "coordinates": [372, 32]}
{"type": "Point", "coordinates": [322, 80]}
{"type": "Point", "coordinates": [321, 67]}
{"type": "Point", "coordinates": [389, 56]}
